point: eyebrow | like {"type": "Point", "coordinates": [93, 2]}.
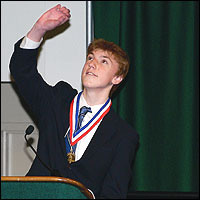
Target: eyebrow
{"type": "Point", "coordinates": [106, 57]}
{"type": "Point", "coordinates": [102, 56]}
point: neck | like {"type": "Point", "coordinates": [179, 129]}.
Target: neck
{"type": "Point", "coordinates": [95, 97]}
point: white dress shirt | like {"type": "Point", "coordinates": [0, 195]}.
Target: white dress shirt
{"type": "Point", "coordinates": [83, 143]}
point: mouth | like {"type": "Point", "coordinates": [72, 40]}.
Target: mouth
{"type": "Point", "coordinates": [91, 74]}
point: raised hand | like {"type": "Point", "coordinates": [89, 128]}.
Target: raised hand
{"type": "Point", "coordinates": [51, 19]}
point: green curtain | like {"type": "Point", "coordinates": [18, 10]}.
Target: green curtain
{"type": "Point", "coordinates": [160, 95]}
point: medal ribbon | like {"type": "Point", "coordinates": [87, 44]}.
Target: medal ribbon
{"type": "Point", "coordinates": [74, 108]}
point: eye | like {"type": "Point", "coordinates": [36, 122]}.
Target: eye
{"type": "Point", "coordinates": [89, 57]}
{"type": "Point", "coordinates": [104, 61]}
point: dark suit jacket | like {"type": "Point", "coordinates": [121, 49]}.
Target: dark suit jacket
{"type": "Point", "coordinates": [105, 167]}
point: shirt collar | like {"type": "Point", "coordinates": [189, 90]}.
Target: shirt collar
{"type": "Point", "coordinates": [94, 108]}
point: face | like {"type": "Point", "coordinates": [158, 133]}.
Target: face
{"type": "Point", "coordinates": [99, 71]}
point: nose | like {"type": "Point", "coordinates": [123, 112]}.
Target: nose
{"type": "Point", "coordinates": [92, 64]}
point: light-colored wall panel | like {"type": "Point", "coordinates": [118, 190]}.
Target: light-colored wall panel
{"type": "Point", "coordinates": [17, 18]}
{"type": "Point", "coordinates": [63, 55]}
{"type": "Point", "coordinates": [61, 58]}
{"type": "Point", "coordinates": [4, 160]}
{"type": "Point", "coordinates": [66, 52]}
{"type": "Point", "coordinates": [12, 110]}
{"type": "Point", "coordinates": [16, 155]}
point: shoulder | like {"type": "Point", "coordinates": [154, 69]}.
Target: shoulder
{"type": "Point", "coordinates": [64, 89]}
{"type": "Point", "coordinates": [63, 86]}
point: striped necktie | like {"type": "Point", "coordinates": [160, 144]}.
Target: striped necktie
{"type": "Point", "coordinates": [83, 111]}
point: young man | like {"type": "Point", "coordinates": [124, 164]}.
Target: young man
{"type": "Point", "coordinates": [96, 150]}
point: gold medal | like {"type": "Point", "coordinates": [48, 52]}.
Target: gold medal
{"type": "Point", "coordinates": [71, 156]}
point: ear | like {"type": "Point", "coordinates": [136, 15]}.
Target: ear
{"type": "Point", "coordinates": [116, 80]}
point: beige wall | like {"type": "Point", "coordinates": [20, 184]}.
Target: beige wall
{"type": "Point", "coordinates": [64, 47]}
{"type": "Point", "coordinates": [61, 58]}
{"type": "Point", "coordinates": [16, 157]}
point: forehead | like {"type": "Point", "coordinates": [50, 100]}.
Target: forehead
{"type": "Point", "coordinates": [105, 54]}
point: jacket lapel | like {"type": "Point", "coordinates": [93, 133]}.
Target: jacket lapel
{"type": "Point", "coordinates": [103, 133]}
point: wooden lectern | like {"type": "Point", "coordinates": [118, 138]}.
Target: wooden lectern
{"type": "Point", "coordinates": [42, 187]}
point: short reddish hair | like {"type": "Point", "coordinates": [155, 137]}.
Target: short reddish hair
{"type": "Point", "coordinates": [117, 52]}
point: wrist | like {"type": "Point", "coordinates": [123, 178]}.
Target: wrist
{"type": "Point", "coordinates": [36, 33]}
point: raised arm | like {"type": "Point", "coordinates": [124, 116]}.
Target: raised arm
{"type": "Point", "coordinates": [23, 63]}
{"type": "Point", "coordinates": [51, 19]}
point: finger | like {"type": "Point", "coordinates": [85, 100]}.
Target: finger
{"type": "Point", "coordinates": [65, 10]}
{"type": "Point", "coordinates": [57, 7]}
{"type": "Point", "coordinates": [63, 19]}
{"type": "Point", "coordinates": [66, 14]}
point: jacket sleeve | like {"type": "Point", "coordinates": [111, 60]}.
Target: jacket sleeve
{"type": "Point", "coordinates": [116, 182]}
{"type": "Point", "coordinates": [30, 84]}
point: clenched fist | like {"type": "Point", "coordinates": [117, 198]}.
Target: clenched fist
{"type": "Point", "coordinates": [51, 19]}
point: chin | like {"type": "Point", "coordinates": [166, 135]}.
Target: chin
{"type": "Point", "coordinates": [88, 86]}
{"type": "Point", "coordinates": [87, 82]}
